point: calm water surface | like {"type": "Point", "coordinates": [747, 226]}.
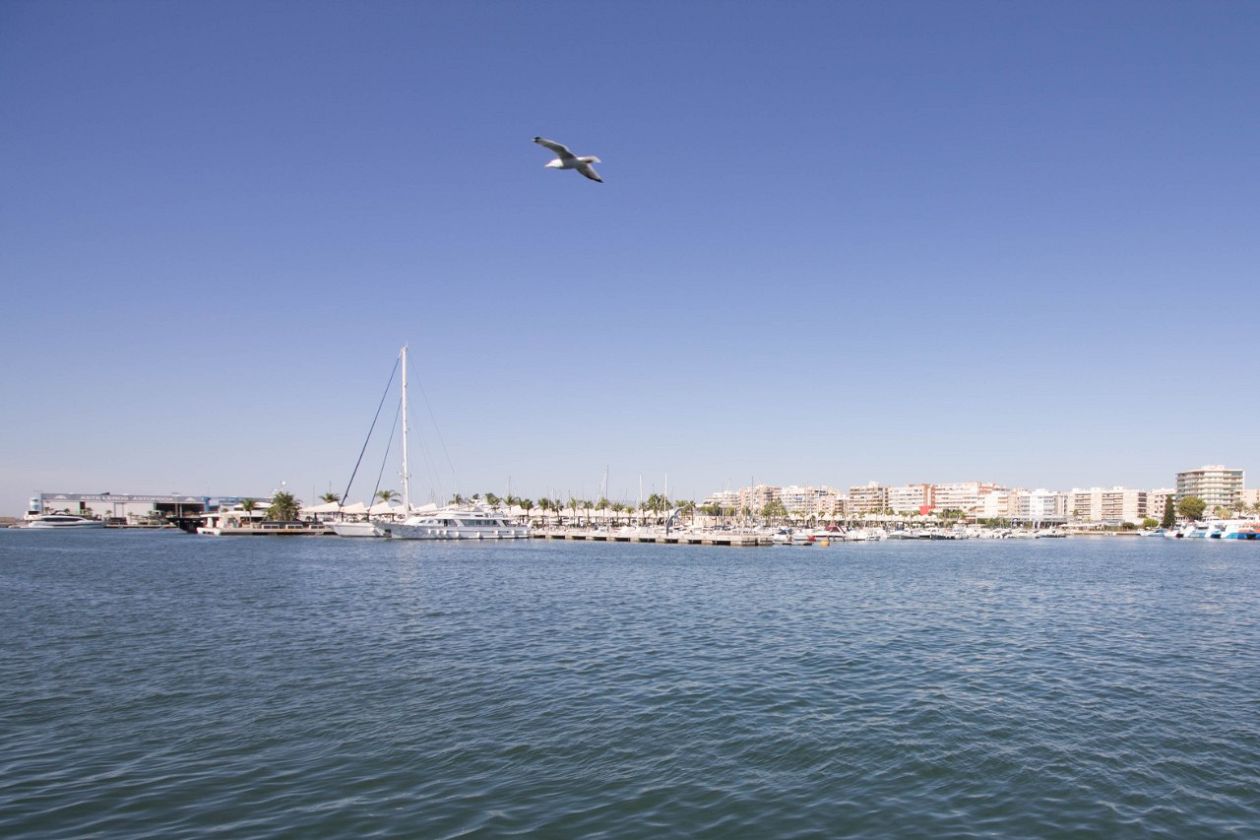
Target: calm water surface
{"type": "Point", "coordinates": [160, 685]}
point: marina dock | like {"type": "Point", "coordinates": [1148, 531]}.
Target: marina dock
{"type": "Point", "coordinates": [730, 538]}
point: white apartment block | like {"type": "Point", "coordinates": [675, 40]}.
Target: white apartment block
{"type": "Point", "coordinates": [998, 504]}
{"type": "Point", "coordinates": [962, 495]}
{"type": "Point", "coordinates": [867, 498]}
{"type": "Point", "coordinates": [726, 499]}
{"type": "Point", "coordinates": [1216, 485]}
{"type": "Point", "coordinates": [1039, 505]}
{"type": "Point", "coordinates": [809, 501]}
{"type": "Point", "coordinates": [910, 498]}
{"type": "Point", "coordinates": [1110, 506]}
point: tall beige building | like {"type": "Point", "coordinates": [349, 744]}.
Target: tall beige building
{"type": "Point", "coordinates": [867, 498]}
{"type": "Point", "coordinates": [1156, 499]}
{"type": "Point", "coordinates": [1216, 485]}
{"type": "Point", "coordinates": [910, 498]}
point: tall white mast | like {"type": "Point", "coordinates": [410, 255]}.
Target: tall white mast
{"type": "Point", "coordinates": [406, 476]}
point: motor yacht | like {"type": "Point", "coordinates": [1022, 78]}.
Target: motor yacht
{"type": "Point", "coordinates": [62, 520]}
{"type": "Point", "coordinates": [456, 524]}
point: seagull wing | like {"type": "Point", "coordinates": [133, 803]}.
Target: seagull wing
{"type": "Point", "coordinates": [559, 148]}
{"type": "Point", "coordinates": [589, 171]}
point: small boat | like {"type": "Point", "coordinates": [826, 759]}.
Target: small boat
{"type": "Point", "coordinates": [62, 520]}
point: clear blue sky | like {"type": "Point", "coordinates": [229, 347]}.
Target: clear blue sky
{"type": "Point", "coordinates": [836, 242]}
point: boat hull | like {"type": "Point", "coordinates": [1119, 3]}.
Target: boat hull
{"type": "Point", "coordinates": [402, 531]}
{"type": "Point", "coordinates": [357, 529]}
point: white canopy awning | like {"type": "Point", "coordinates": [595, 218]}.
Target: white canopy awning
{"type": "Point", "coordinates": [327, 507]}
{"type": "Point", "coordinates": [357, 507]}
{"type": "Point", "coordinates": [384, 507]}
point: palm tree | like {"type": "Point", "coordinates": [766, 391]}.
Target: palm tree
{"type": "Point", "coordinates": [330, 497]}
{"type": "Point", "coordinates": [249, 505]}
{"type": "Point", "coordinates": [284, 507]}
{"type": "Point", "coordinates": [457, 500]}
{"type": "Point", "coordinates": [493, 500]}
{"type": "Point", "coordinates": [526, 505]}
{"type": "Point", "coordinates": [386, 495]}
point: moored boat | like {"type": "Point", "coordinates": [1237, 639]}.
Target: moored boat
{"type": "Point", "coordinates": [456, 524]}
{"type": "Point", "coordinates": [48, 521]}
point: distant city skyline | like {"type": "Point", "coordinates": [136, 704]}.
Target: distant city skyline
{"type": "Point", "coordinates": [834, 243]}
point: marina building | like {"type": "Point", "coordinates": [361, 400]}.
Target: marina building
{"type": "Point", "coordinates": [128, 508]}
{"type": "Point", "coordinates": [1218, 486]}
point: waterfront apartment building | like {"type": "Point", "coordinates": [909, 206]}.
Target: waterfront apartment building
{"type": "Point", "coordinates": [725, 499]}
{"type": "Point", "coordinates": [1039, 506]}
{"type": "Point", "coordinates": [867, 498]}
{"type": "Point", "coordinates": [755, 499]}
{"type": "Point", "coordinates": [1218, 486]}
{"type": "Point", "coordinates": [1107, 506]}
{"type": "Point", "coordinates": [1157, 499]}
{"type": "Point", "coordinates": [910, 498]}
{"type": "Point", "coordinates": [820, 502]}
{"type": "Point", "coordinates": [962, 495]}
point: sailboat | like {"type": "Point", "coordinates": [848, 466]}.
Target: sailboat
{"type": "Point", "coordinates": [449, 523]}
{"type": "Point", "coordinates": [370, 527]}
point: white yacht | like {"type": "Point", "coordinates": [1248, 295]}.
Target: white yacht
{"type": "Point", "coordinates": [62, 520]}
{"type": "Point", "coordinates": [456, 524]}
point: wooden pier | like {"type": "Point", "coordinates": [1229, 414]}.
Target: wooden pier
{"type": "Point", "coordinates": [673, 538]}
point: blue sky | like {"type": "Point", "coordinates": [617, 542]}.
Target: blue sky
{"type": "Point", "coordinates": [836, 243]}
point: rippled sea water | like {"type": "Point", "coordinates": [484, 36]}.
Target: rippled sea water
{"type": "Point", "coordinates": [164, 685]}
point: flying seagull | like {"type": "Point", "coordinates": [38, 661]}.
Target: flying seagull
{"type": "Point", "coordinates": [565, 159]}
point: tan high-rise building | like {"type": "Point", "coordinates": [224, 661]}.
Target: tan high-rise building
{"type": "Point", "coordinates": [910, 498]}
{"type": "Point", "coordinates": [867, 498]}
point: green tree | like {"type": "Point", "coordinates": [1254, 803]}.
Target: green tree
{"type": "Point", "coordinates": [1149, 523]}
{"type": "Point", "coordinates": [249, 505]}
{"type": "Point", "coordinates": [774, 509]}
{"type": "Point", "coordinates": [1191, 507]}
{"type": "Point", "coordinates": [1170, 514]}
{"type": "Point", "coordinates": [493, 500]}
{"type": "Point", "coordinates": [526, 505]}
{"type": "Point", "coordinates": [283, 508]}
{"type": "Point", "coordinates": [330, 497]}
